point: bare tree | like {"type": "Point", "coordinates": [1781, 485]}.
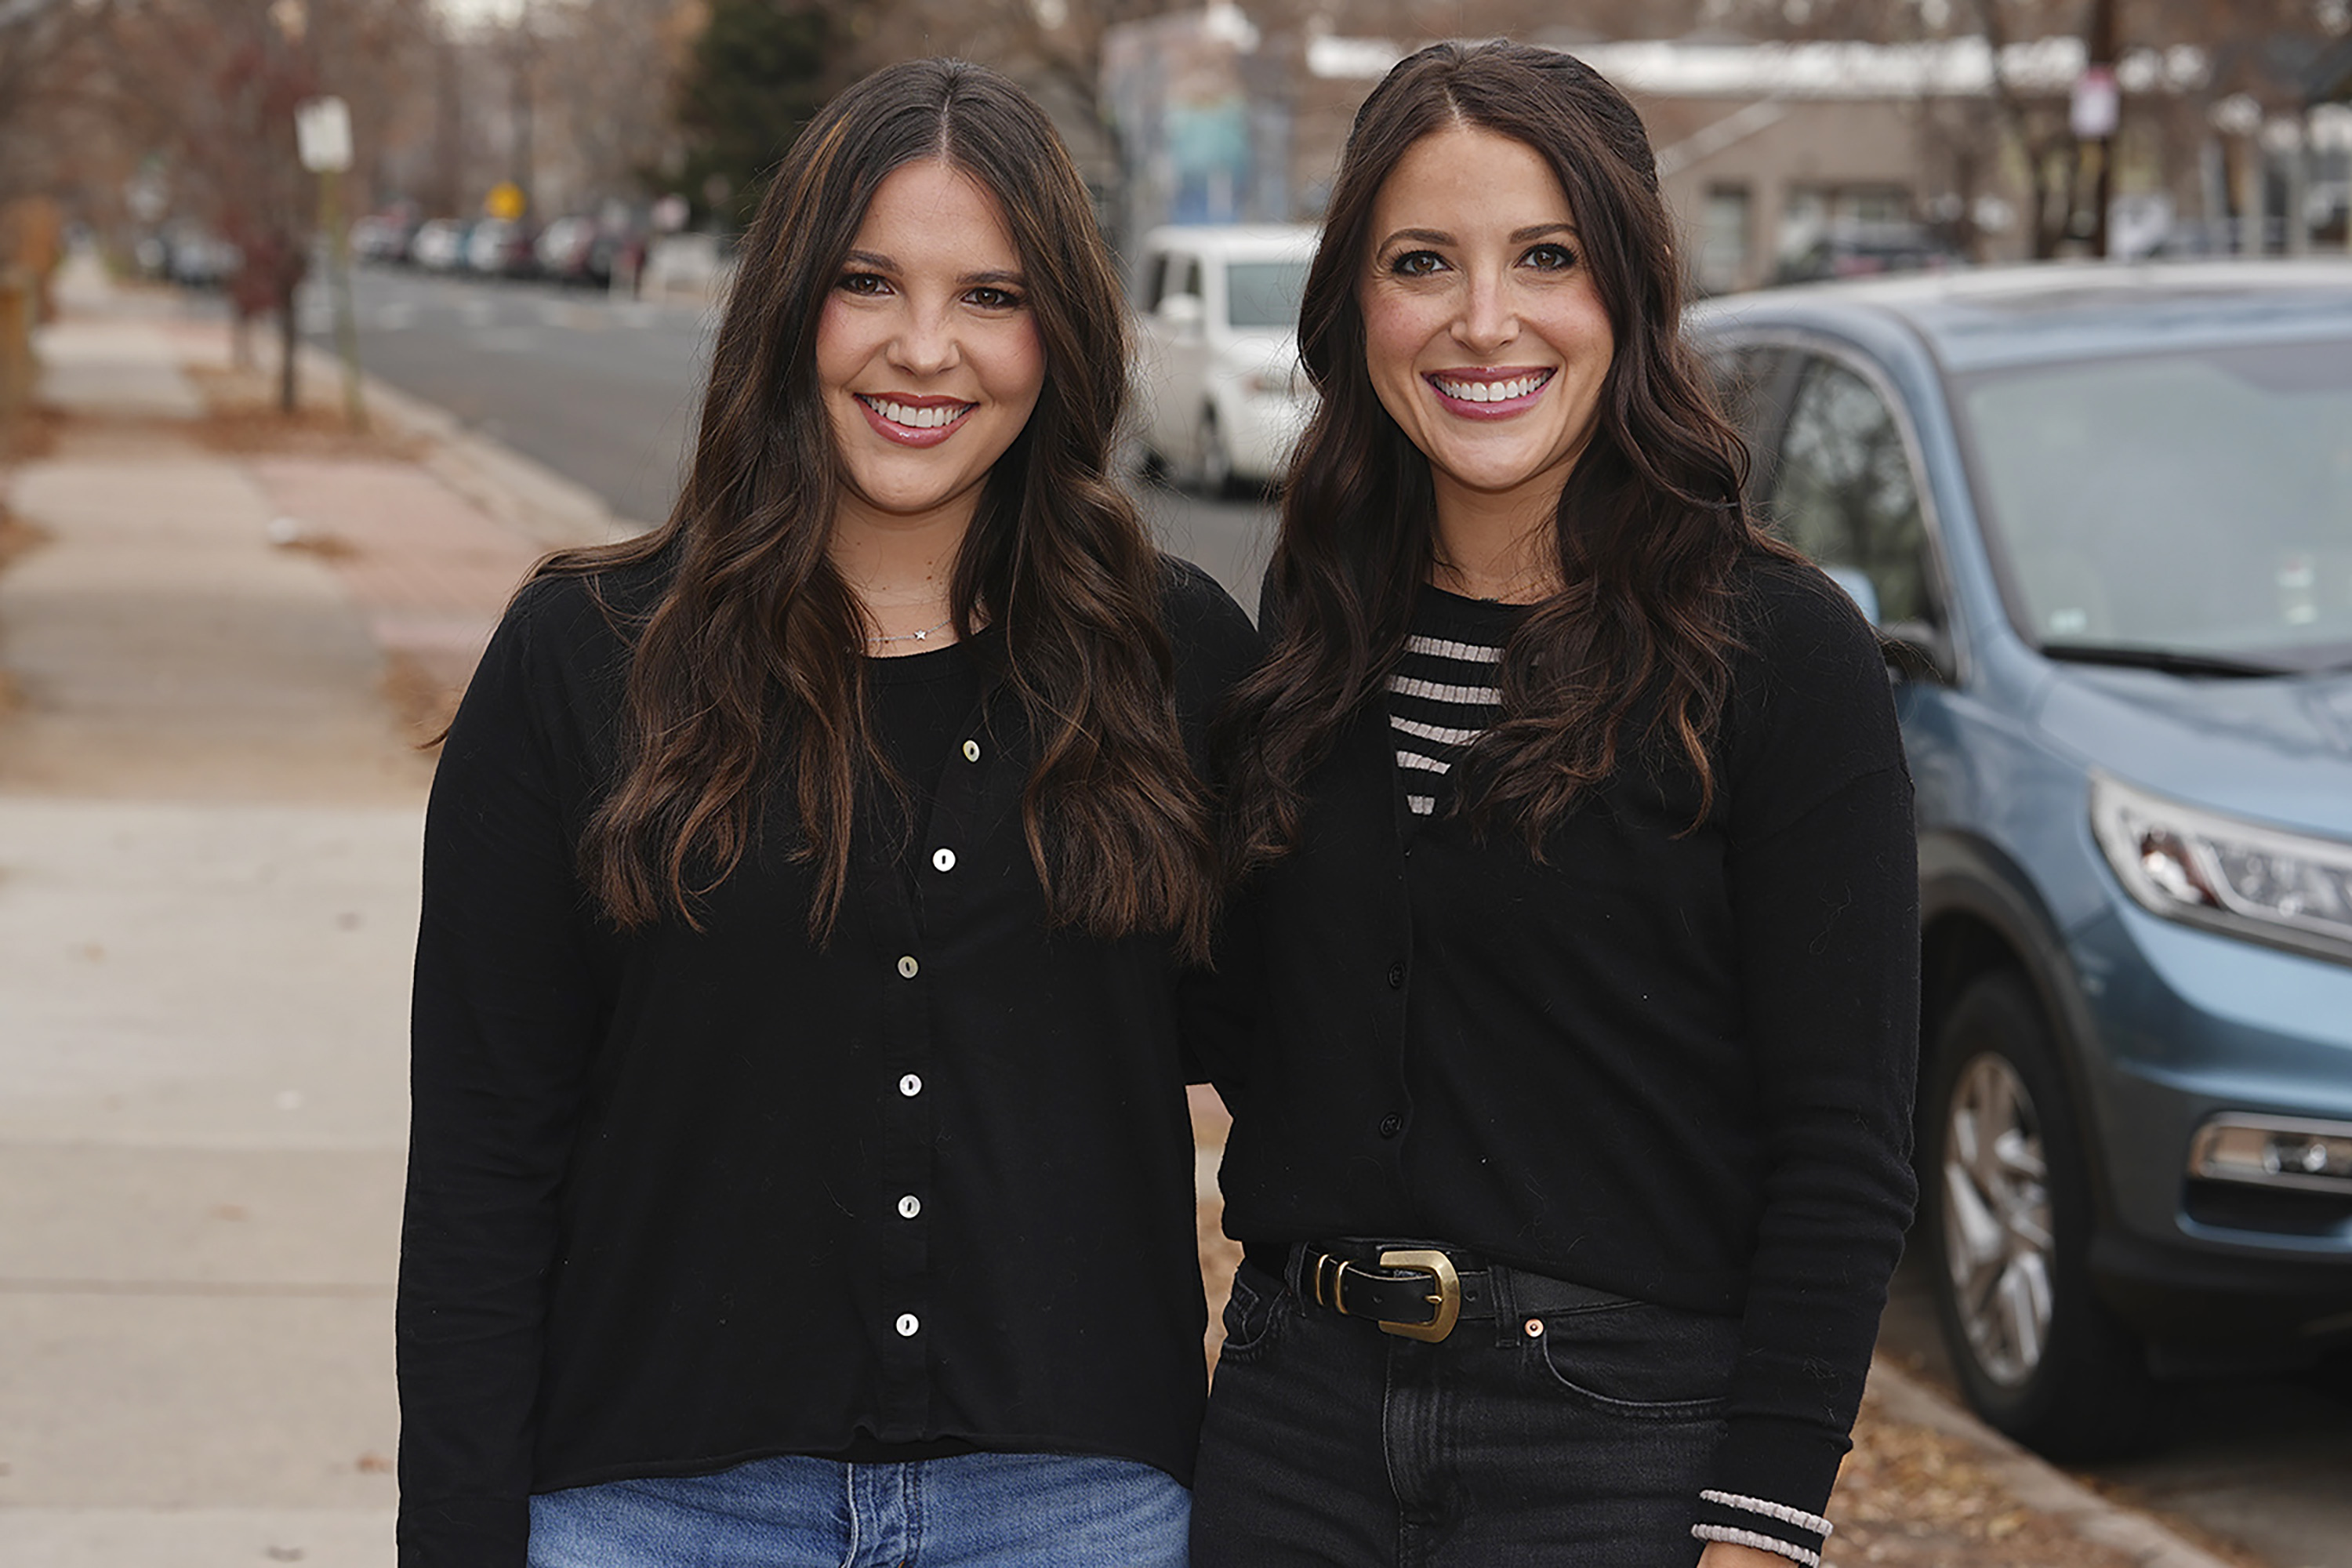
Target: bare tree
{"type": "Point", "coordinates": [211, 87]}
{"type": "Point", "coordinates": [607, 72]}
{"type": "Point", "coordinates": [45, 60]}
{"type": "Point", "coordinates": [2189, 55]}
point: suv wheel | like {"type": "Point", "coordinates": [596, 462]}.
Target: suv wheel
{"type": "Point", "coordinates": [2009, 1217]}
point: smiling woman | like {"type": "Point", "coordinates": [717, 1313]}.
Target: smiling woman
{"type": "Point", "coordinates": [1488, 344]}
{"type": "Point", "coordinates": [1572, 1001]}
{"type": "Point", "coordinates": [925, 342]}
{"type": "Point", "coordinates": [799, 1164]}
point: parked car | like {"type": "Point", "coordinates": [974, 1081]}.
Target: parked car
{"type": "Point", "coordinates": [439, 245]}
{"type": "Point", "coordinates": [2105, 513]}
{"type": "Point", "coordinates": [567, 252]}
{"type": "Point", "coordinates": [500, 248]}
{"type": "Point", "coordinates": [386, 236]}
{"type": "Point", "coordinates": [1222, 397]}
{"type": "Point", "coordinates": [192, 255]}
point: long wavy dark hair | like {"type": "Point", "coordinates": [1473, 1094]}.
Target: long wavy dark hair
{"type": "Point", "coordinates": [746, 672]}
{"type": "Point", "coordinates": [1648, 526]}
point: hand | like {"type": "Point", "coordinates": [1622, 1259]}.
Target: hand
{"type": "Point", "coordinates": [1724, 1554]}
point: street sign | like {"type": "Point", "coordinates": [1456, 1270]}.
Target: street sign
{"type": "Point", "coordinates": [322, 134]}
{"type": "Point", "coordinates": [506, 201]}
{"type": "Point", "coordinates": [2096, 106]}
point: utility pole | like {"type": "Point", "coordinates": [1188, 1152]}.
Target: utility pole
{"type": "Point", "coordinates": [2097, 108]}
{"type": "Point", "coordinates": [445, 194]}
{"type": "Point", "coordinates": [322, 127]}
{"type": "Point", "coordinates": [524, 59]}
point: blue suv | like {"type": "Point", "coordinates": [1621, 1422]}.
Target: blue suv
{"type": "Point", "coordinates": [2103, 516]}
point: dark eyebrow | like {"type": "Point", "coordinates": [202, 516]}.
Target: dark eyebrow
{"type": "Point", "coordinates": [1519, 235]}
{"type": "Point", "coordinates": [879, 263]}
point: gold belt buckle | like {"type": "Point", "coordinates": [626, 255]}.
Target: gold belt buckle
{"type": "Point", "coordinates": [1447, 1300]}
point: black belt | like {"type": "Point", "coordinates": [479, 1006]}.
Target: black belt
{"type": "Point", "coordinates": [1418, 1290]}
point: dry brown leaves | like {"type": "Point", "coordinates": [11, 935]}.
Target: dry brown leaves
{"type": "Point", "coordinates": [1918, 1498]}
{"type": "Point", "coordinates": [17, 538]}
{"type": "Point", "coordinates": [424, 702]}
{"type": "Point", "coordinates": [31, 435]}
{"type": "Point", "coordinates": [242, 417]}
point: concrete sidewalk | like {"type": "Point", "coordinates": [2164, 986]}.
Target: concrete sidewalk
{"type": "Point", "coordinates": [210, 803]}
{"type": "Point", "coordinates": [209, 816]}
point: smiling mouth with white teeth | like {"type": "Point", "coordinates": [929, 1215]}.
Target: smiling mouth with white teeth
{"type": "Point", "coordinates": [929, 419]}
{"type": "Point", "coordinates": [1491, 390]}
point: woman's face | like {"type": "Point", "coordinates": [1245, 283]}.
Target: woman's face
{"type": "Point", "coordinates": [1486, 339]}
{"type": "Point", "coordinates": [926, 354]}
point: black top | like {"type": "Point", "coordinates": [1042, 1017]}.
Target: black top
{"type": "Point", "coordinates": [1443, 693]}
{"type": "Point", "coordinates": [921, 704]}
{"type": "Point", "coordinates": [1673, 1064]}
{"type": "Point", "coordinates": [683, 1198]}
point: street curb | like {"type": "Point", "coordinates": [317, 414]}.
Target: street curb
{"type": "Point", "coordinates": [552, 511]}
{"type": "Point", "coordinates": [2031, 1480]}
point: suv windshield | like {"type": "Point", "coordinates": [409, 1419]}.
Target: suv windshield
{"type": "Point", "coordinates": [1264, 293]}
{"type": "Point", "coordinates": [2194, 502]}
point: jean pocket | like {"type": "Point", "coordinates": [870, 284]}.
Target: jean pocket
{"type": "Point", "coordinates": [1253, 1315]}
{"type": "Point", "coordinates": [1638, 1359]}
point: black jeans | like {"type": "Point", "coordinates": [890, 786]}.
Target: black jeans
{"type": "Point", "coordinates": [1573, 1428]}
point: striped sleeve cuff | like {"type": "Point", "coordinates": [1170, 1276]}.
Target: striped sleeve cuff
{"type": "Point", "coordinates": [1765, 1525]}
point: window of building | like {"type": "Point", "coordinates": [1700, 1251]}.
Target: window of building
{"type": "Point", "coordinates": [1722, 241]}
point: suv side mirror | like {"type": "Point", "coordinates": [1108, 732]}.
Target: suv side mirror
{"type": "Point", "coordinates": [1858, 587]}
{"type": "Point", "coordinates": [1183, 314]}
{"type": "Point", "coordinates": [1917, 650]}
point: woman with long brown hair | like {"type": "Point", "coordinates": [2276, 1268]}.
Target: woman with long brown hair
{"type": "Point", "coordinates": [1574, 974]}
{"type": "Point", "coordinates": [801, 1170]}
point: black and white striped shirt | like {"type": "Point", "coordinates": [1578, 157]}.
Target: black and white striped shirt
{"type": "Point", "coordinates": [1443, 693]}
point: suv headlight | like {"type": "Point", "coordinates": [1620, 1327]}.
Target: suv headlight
{"type": "Point", "coordinates": [2214, 871]}
{"type": "Point", "coordinates": [2273, 1151]}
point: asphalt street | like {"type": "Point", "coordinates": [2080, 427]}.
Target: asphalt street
{"type": "Point", "coordinates": [603, 392]}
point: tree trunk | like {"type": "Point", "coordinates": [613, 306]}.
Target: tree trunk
{"type": "Point", "coordinates": [287, 391]}
{"type": "Point", "coordinates": [2037, 171]}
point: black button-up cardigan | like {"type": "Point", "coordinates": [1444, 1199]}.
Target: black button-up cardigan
{"type": "Point", "coordinates": [682, 1198]}
{"type": "Point", "coordinates": [1672, 1063]}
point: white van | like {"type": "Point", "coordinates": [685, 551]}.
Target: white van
{"type": "Point", "coordinates": [1221, 397]}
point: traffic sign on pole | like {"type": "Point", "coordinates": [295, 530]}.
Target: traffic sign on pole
{"type": "Point", "coordinates": [323, 135]}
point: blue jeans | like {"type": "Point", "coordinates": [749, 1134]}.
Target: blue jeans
{"type": "Point", "coordinates": [1584, 1442]}
{"type": "Point", "coordinates": [973, 1510]}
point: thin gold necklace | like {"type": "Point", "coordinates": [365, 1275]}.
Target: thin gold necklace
{"type": "Point", "coordinates": [909, 636]}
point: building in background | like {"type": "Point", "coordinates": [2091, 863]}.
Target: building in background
{"type": "Point", "coordinates": [1204, 103]}
{"type": "Point", "coordinates": [1779, 160]}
